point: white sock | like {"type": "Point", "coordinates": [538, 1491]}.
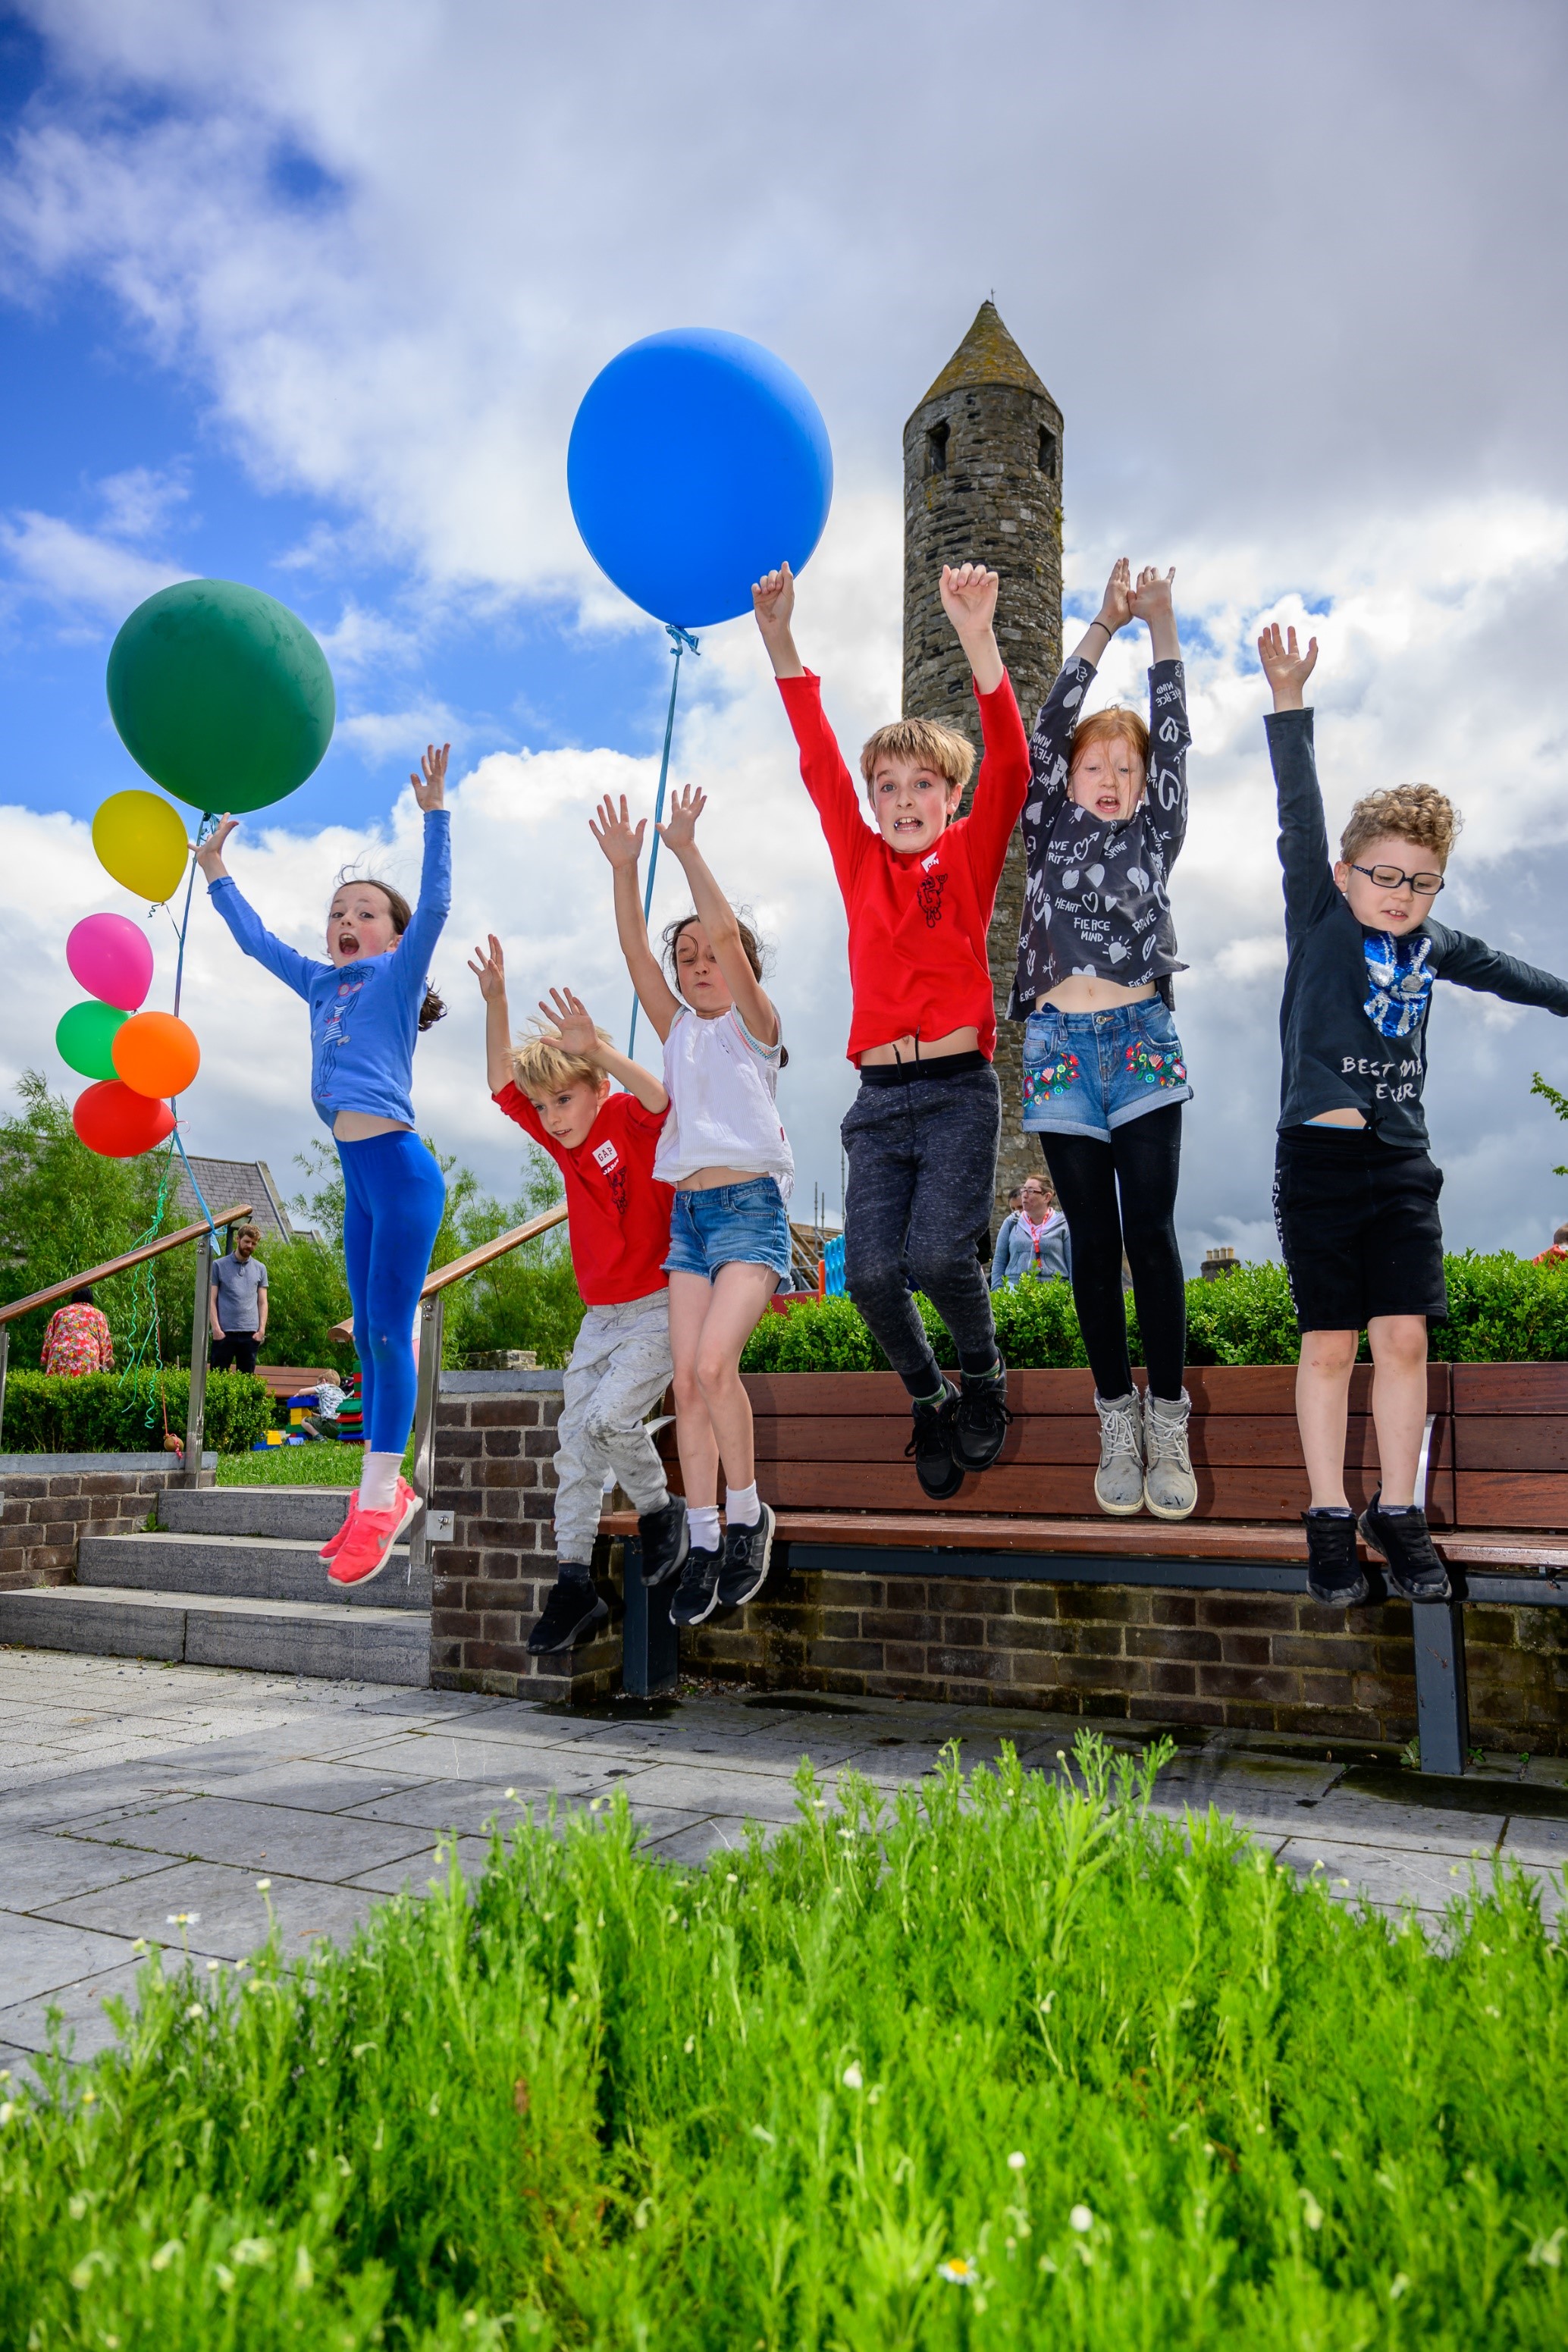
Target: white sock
{"type": "Point", "coordinates": [703, 1518]}
{"type": "Point", "coordinates": [742, 1507]}
{"type": "Point", "coordinates": [378, 1481]}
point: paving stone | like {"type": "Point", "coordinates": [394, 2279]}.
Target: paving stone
{"type": "Point", "coordinates": [753, 1796]}
{"type": "Point", "coordinates": [84, 2028]}
{"type": "Point", "coordinates": [720, 1834]}
{"type": "Point", "coordinates": [226, 1912]}
{"type": "Point", "coordinates": [463, 1805]}
{"type": "Point", "coordinates": [1536, 1840]}
{"type": "Point", "coordinates": [433, 1756]}
{"type": "Point", "coordinates": [1431, 1881]}
{"type": "Point", "coordinates": [414, 1874]}
{"type": "Point", "coordinates": [1348, 1815]}
{"type": "Point", "coordinates": [310, 1785]}
{"type": "Point", "coordinates": [41, 1954]}
{"type": "Point", "coordinates": [38, 1868]}
{"type": "Point", "coordinates": [259, 1838]}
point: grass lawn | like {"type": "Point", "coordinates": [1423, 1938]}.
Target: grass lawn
{"type": "Point", "coordinates": [320, 1464]}
{"type": "Point", "coordinates": [1011, 2067]}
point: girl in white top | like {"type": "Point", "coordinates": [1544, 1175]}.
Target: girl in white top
{"type": "Point", "coordinates": [726, 1153]}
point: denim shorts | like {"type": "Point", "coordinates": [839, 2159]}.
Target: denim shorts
{"type": "Point", "coordinates": [732, 1224]}
{"type": "Point", "coordinates": [1087, 1073]}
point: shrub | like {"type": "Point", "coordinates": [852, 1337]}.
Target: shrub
{"type": "Point", "coordinates": [1502, 1309]}
{"type": "Point", "coordinates": [102, 1414]}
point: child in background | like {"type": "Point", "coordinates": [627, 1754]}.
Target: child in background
{"type": "Point", "coordinates": [556, 1086]}
{"type": "Point", "coordinates": [1356, 1192]}
{"type": "Point", "coordinates": [1104, 1080]}
{"type": "Point", "coordinates": [918, 884]}
{"type": "Point", "coordinates": [77, 1340]}
{"type": "Point", "coordinates": [368, 1003]}
{"type": "Point", "coordinates": [730, 1162]}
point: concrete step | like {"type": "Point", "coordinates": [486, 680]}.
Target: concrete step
{"type": "Point", "coordinates": [304, 1514]}
{"type": "Point", "coordinates": [241, 1568]}
{"type": "Point", "coordinates": [317, 1638]}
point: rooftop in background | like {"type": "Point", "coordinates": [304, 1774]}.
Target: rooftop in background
{"type": "Point", "coordinates": [223, 1181]}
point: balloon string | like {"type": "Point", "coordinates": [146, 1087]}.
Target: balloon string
{"type": "Point", "coordinates": [185, 918]}
{"type": "Point", "coordinates": [683, 642]}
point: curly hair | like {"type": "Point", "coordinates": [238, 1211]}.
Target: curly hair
{"type": "Point", "coordinates": [1417, 813]}
{"type": "Point", "coordinates": [927, 743]}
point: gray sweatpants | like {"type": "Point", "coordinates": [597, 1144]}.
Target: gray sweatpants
{"type": "Point", "coordinates": [619, 1367]}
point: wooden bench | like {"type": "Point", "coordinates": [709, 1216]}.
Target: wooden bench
{"type": "Point", "coordinates": [830, 1459]}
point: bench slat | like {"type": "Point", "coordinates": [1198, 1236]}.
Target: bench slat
{"type": "Point", "coordinates": [1220, 1441]}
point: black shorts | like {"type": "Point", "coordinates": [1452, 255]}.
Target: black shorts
{"type": "Point", "coordinates": [1359, 1228]}
{"type": "Point", "coordinates": [234, 1352]}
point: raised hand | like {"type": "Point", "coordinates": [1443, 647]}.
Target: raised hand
{"type": "Point", "coordinates": [430, 784]}
{"type": "Point", "coordinates": [1116, 605]}
{"type": "Point", "coordinates": [1151, 596]}
{"type": "Point", "coordinates": [489, 971]}
{"type": "Point", "coordinates": [679, 831]}
{"type": "Point", "coordinates": [209, 857]}
{"type": "Point", "coordinates": [620, 840]}
{"type": "Point", "coordinates": [772, 600]}
{"type": "Point", "coordinates": [572, 1024]}
{"type": "Point", "coordinates": [969, 596]}
{"type": "Point", "coordinates": [1285, 665]}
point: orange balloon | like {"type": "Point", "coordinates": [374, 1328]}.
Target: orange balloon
{"type": "Point", "coordinates": [113, 1121]}
{"type": "Point", "coordinates": [156, 1055]}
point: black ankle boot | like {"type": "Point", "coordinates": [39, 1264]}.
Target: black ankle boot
{"type": "Point", "coordinates": [1334, 1574]}
{"type": "Point", "coordinates": [1404, 1542]}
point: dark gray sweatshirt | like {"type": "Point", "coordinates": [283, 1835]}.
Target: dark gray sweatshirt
{"type": "Point", "coordinates": [1353, 1020]}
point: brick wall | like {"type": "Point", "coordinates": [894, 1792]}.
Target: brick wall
{"type": "Point", "coordinates": [50, 1500]}
{"type": "Point", "coordinates": [494, 1471]}
{"type": "Point", "coordinates": [1260, 1662]}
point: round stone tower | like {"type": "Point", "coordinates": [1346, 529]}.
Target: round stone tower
{"type": "Point", "coordinates": [983, 482]}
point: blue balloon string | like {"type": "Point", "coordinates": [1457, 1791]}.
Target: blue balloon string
{"type": "Point", "coordinates": [683, 642]}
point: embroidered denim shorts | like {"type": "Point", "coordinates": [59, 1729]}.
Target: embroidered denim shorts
{"type": "Point", "coordinates": [733, 1223]}
{"type": "Point", "coordinates": [1087, 1073]}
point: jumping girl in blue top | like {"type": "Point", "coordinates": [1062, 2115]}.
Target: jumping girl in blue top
{"type": "Point", "coordinates": [368, 1003]}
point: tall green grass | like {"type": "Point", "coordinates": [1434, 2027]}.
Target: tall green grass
{"type": "Point", "coordinates": [1008, 2064]}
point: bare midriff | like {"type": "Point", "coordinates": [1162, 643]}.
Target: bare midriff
{"type": "Point", "coordinates": [708, 1179]}
{"type": "Point", "coordinates": [1346, 1118]}
{"type": "Point", "coordinates": [359, 1125]}
{"type": "Point", "coordinates": [1083, 993]}
{"type": "Point", "coordinates": [921, 1049]}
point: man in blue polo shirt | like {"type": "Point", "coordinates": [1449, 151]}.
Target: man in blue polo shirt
{"type": "Point", "coordinates": [237, 1304]}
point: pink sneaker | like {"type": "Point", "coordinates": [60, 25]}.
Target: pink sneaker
{"type": "Point", "coordinates": [367, 1546]}
{"type": "Point", "coordinates": [334, 1544]}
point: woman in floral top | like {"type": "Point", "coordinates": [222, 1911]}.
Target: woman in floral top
{"type": "Point", "coordinates": [77, 1338]}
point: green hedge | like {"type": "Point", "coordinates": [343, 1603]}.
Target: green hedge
{"type": "Point", "coordinates": [1502, 1309]}
{"type": "Point", "coordinates": [101, 1413]}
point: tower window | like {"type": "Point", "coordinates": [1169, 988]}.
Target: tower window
{"type": "Point", "coordinates": [936, 449]}
{"type": "Point", "coordinates": [1048, 457]}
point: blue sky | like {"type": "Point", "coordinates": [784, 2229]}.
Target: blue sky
{"type": "Point", "coordinates": [306, 296]}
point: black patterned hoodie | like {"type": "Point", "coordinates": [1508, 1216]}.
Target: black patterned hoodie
{"type": "Point", "coordinates": [1096, 901]}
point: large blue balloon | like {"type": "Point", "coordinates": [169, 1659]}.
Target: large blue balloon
{"type": "Point", "coordinates": [698, 461]}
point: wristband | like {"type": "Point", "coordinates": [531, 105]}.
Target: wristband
{"type": "Point", "coordinates": [1098, 623]}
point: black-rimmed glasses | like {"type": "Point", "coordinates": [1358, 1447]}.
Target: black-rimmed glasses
{"type": "Point", "coordinates": [1389, 877]}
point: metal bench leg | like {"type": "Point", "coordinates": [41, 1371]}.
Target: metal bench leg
{"type": "Point", "coordinates": [1442, 1701]}
{"type": "Point", "coordinates": [650, 1645]}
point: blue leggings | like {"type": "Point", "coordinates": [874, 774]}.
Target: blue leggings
{"type": "Point", "coordinates": [394, 1196]}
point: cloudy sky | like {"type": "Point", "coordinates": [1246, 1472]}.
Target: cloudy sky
{"type": "Point", "coordinates": [306, 296]}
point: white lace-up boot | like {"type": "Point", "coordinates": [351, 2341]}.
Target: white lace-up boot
{"type": "Point", "coordinates": [1170, 1489]}
{"type": "Point", "coordinates": [1118, 1481]}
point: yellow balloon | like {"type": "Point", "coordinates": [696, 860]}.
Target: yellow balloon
{"type": "Point", "coordinates": [141, 842]}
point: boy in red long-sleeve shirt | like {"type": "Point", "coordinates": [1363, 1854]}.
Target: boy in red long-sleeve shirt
{"type": "Point", "coordinates": [918, 884]}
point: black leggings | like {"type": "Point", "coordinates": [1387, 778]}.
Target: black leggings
{"type": "Point", "coordinates": [1142, 1164]}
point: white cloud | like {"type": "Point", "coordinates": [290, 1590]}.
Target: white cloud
{"type": "Point", "coordinates": [75, 573]}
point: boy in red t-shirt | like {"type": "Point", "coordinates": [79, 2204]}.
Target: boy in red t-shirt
{"type": "Point", "coordinates": [556, 1084]}
{"type": "Point", "coordinates": [918, 884]}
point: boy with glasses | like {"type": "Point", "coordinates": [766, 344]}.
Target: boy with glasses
{"type": "Point", "coordinates": [1356, 1192]}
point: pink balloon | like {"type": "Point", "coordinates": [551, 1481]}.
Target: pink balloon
{"type": "Point", "coordinates": [112, 958]}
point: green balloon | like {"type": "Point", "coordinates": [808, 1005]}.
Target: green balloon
{"type": "Point", "coordinates": [221, 694]}
{"type": "Point", "coordinates": [84, 1038]}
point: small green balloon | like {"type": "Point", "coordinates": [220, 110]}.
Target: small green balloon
{"type": "Point", "coordinates": [84, 1038]}
{"type": "Point", "coordinates": [221, 694]}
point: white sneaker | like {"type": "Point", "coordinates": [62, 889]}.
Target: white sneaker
{"type": "Point", "coordinates": [1170, 1488]}
{"type": "Point", "coordinates": [1118, 1481]}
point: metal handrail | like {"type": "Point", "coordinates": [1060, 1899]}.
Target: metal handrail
{"type": "Point", "coordinates": [117, 1264]}
{"type": "Point", "coordinates": [202, 1235]}
{"type": "Point", "coordinates": [472, 1260]}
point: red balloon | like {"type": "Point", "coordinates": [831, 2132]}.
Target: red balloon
{"type": "Point", "coordinates": [119, 1123]}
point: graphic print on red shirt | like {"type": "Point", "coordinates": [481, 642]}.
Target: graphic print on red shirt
{"type": "Point", "coordinates": [617, 1214]}
{"type": "Point", "coordinates": [918, 960]}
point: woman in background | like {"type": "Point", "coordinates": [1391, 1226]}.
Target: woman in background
{"type": "Point", "coordinates": [1034, 1239]}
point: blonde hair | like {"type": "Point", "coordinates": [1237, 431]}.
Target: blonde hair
{"type": "Point", "coordinates": [927, 743]}
{"type": "Point", "coordinates": [543, 1066]}
{"type": "Point", "coordinates": [1115, 723]}
{"type": "Point", "coordinates": [1418, 813]}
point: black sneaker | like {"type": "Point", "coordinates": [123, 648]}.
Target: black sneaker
{"type": "Point", "coordinates": [745, 1569]}
{"type": "Point", "coordinates": [697, 1594]}
{"type": "Point", "coordinates": [1415, 1569]}
{"type": "Point", "coordinates": [980, 1423]}
{"type": "Point", "coordinates": [1334, 1574]}
{"type": "Point", "coordinates": [932, 1446]}
{"type": "Point", "coordinates": [573, 1609]}
{"type": "Point", "coordinates": [665, 1539]}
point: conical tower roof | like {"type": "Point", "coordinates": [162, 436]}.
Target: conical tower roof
{"type": "Point", "coordinates": [986, 355]}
